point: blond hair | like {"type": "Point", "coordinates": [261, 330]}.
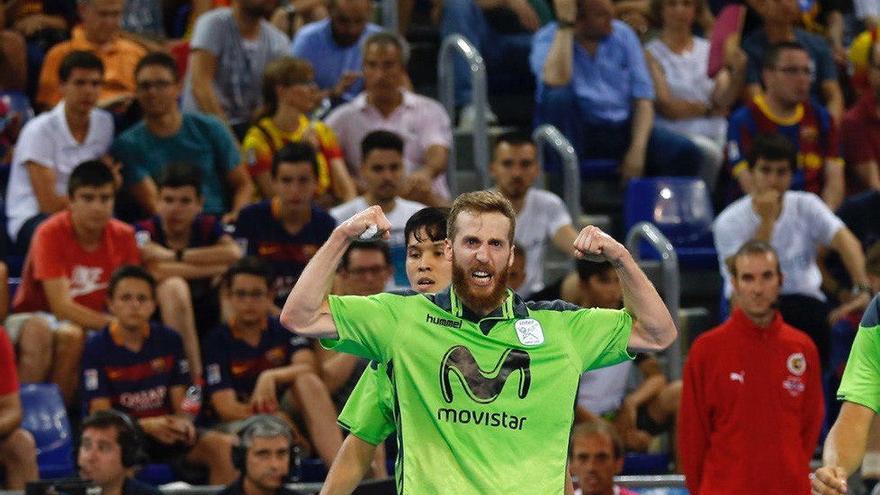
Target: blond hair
{"type": "Point", "coordinates": [480, 202]}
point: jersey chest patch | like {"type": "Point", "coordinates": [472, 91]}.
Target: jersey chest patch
{"type": "Point", "coordinates": [529, 332]}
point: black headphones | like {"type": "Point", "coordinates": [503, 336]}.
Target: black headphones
{"type": "Point", "coordinates": [128, 435]}
{"type": "Point", "coordinates": [239, 452]}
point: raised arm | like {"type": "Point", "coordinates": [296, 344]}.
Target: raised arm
{"type": "Point", "coordinates": [306, 310]}
{"type": "Point", "coordinates": [656, 330]}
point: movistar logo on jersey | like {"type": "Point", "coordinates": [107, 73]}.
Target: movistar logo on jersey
{"type": "Point", "coordinates": [442, 321]}
{"type": "Point", "coordinates": [483, 386]}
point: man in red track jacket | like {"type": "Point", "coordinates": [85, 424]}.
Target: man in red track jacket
{"type": "Point", "coordinates": [752, 403]}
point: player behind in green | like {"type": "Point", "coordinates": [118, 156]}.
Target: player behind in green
{"type": "Point", "coordinates": [860, 392]}
{"type": "Point", "coordinates": [368, 414]}
{"type": "Point", "coordinates": [463, 429]}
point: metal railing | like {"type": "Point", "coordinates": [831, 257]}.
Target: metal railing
{"type": "Point", "coordinates": [452, 45]}
{"type": "Point", "coordinates": [390, 15]}
{"type": "Point", "coordinates": [571, 174]}
{"type": "Point", "coordinates": [670, 283]}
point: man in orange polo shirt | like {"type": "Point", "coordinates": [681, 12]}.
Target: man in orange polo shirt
{"type": "Point", "coordinates": [98, 33]}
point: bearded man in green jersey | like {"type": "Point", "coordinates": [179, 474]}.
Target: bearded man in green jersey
{"type": "Point", "coordinates": [484, 383]}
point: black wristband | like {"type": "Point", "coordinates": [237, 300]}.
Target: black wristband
{"type": "Point", "coordinates": [565, 24]}
{"type": "Point", "coordinates": [178, 255]}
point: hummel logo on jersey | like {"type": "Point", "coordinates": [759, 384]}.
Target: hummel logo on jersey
{"type": "Point", "coordinates": [738, 377]}
{"type": "Point", "coordinates": [484, 386]}
{"type": "Point", "coordinates": [442, 321]}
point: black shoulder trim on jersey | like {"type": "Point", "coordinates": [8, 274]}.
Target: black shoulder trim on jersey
{"type": "Point", "coordinates": [557, 305]}
{"type": "Point", "coordinates": [404, 292]}
{"type": "Point", "coordinates": [871, 318]}
{"type": "Point", "coordinates": [443, 300]}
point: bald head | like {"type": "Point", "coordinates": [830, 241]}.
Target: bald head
{"type": "Point", "coordinates": [348, 19]}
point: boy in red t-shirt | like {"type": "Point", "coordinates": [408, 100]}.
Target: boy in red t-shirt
{"type": "Point", "coordinates": [64, 281]}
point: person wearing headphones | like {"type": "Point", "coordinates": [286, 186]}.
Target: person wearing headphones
{"type": "Point", "coordinates": [263, 456]}
{"type": "Point", "coordinates": [110, 447]}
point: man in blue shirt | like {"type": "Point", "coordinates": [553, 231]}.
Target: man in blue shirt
{"type": "Point", "coordinates": [593, 85]}
{"type": "Point", "coordinates": [333, 46]}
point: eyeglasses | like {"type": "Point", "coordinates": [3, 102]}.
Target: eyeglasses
{"type": "Point", "coordinates": [375, 270]}
{"type": "Point", "coordinates": [796, 71]}
{"type": "Point", "coordinates": [157, 84]}
{"type": "Point", "coordinates": [253, 294]}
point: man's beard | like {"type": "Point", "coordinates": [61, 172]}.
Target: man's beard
{"type": "Point", "coordinates": [479, 302]}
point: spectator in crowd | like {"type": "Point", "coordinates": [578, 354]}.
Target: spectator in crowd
{"type": "Point", "coordinates": [796, 224]}
{"type": "Point", "coordinates": [540, 214]}
{"type": "Point", "coordinates": [13, 58]}
{"type": "Point", "coordinates": [180, 241]}
{"type": "Point", "coordinates": [381, 172]}
{"type": "Point", "coordinates": [99, 33]}
{"type": "Point", "coordinates": [287, 229]}
{"type": "Point", "coordinates": [385, 104]}
{"type": "Point", "coordinates": [253, 364]}
{"type": "Point", "coordinates": [138, 367]}
{"type": "Point", "coordinates": [754, 365]}
{"type": "Point", "coordinates": [785, 107]}
{"type": "Point", "coordinates": [516, 274]}
{"type": "Point", "coordinates": [594, 86]}
{"type": "Point", "coordinates": [167, 135]}
{"type": "Point", "coordinates": [288, 94]}
{"type": "Point", "coordinates": [18, 452]}
{"type": "Point", "coordinates": [365, 270]}
{"type": "Point", "coordinates": [637, 415]}
{"type": "Point", "coordinates": [64, 281]}
{"type": "Point", "coordinates": [845, 445]}
{"type": "Point", "coordinates": [595, 457]}
{"type": "Point", "coordinates": [368, 414]}
{"type": "Point", "coordinates": [860, 132]}
{"type": "Point", "coordinates": [263, 457]}
{"type": "Point", "coordinates": [231, 48]}
{"type": "Point", "coordinates": [333, 47]}
{"type": "Point", "coordinates": [502, 33]}
{"type": "Point", "coordinates": [780, 27]}
{"type": "Point", "coordinates": [53, 144]}
{"type": "Point", "coordinates": [590, 285]}
{"type": "Point", "coordinates": [688, 100]}
{"type": "Point", "coordinates": [110, 445]}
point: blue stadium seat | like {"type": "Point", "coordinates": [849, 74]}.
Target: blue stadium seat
{"type": "Point", "coordinates": [595, 168]}
{"type": "Point", "coordinates": [682, 209]}
{"type": "Point", "coordinates": [643, 464]}
{"type": "Point", "coordinates": [45, 417]}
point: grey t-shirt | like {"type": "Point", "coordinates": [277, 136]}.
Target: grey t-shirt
{"type": "Point", "coordinates": [240, 63]}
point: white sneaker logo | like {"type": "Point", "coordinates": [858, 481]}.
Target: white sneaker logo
{"type": "Point", "coordinates": [738, 377]}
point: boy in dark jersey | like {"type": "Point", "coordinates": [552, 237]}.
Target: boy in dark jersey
{"type": "Point", "coordinates": [287, 230]}
{"type": "Point", "coordinates": [253, 361]}
{"type": "Point", "coordinates": [138, 367]}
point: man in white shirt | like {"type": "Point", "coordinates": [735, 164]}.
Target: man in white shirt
{"type": "Point", "coordinates": [53, 144]}
{"type": "Point", "coordinates": [540, 215]}
{"type": "Point", "coordinates": [381, 172]}
{"type": "Point", "coordinates": [796, 224]}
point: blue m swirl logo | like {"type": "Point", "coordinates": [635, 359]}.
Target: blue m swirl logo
{"type": "Point", "coordinates": [483, 386]}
